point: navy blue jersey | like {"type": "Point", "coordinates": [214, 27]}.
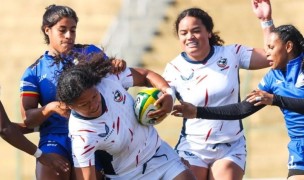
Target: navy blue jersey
{"type": "Point", "coordinates": [40, 80]}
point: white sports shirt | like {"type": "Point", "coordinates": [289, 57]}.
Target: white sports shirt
{"type": "Point", "coordinates": [126, 142]}
{"type": "Point", "coordinates": [214, 83]}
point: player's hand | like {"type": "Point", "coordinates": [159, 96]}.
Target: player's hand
{"type": "Point", "coordinates": [259, 97]}
{"type": "Point", "coordinates": [118, 65]}
{"type": "Point", "coordinates": [262, 9]}
{"type": "Point", "coordinates": [60, 108]}
{"type": "Point", "coordinates": [165, 102]}
{"type": "Point", "coordinates": [185, 109]}
{"type": "Point", "coordinates": [54, 161]}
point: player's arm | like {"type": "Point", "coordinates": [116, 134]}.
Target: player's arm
{"type": "Point", "coordinates": [85, 173]}
{"type": "Point", "coordinates": [227, 112]}
{"type": "Point", "coordinates": [11, 134]}
{"type": "Point", "coordinates": [118, 65]}
{"type": "Point", "coordinates": [292, 104]}
{"type": "Point", "coordinates": [145, 77]}
{"type": "Point", "coordinates": [262, 10]}
{"type": "Point", "coordinates": [34, 116]}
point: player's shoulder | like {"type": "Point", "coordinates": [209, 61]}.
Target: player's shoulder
{"type": "Point", "coordinates": [40, 60]}
{"type": "Point", "coordinates": [86, 48]}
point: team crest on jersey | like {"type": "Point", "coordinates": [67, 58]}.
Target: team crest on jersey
{"type": "Point", "coordinates": [187, 78]}
{"type": "Point", "coordinates": [106, 131]}
{"type": "Point", "coordinates": [118, 97]}
{"type": "Point", "coordinates": [222, 62]}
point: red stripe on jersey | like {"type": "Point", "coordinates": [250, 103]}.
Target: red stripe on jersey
{"type": "Point", "coordinates": [29, 94]}
{"type": "Point", "coordinates": [131, 132]}
{"type": "Point", "coordinates": [137, 160]}
{"type": "Point", "coordinates": [130, 75]}
{"type": "Point", "coordinates": [225, 68]}
{"type": "Point", "coordinates": [82, 138]}
{"type": "Point", "coordinates": [206, 97]}
{"type": "Point", "coordinates": [200, 79]}
{"type": "Point", "coordinates": [238, 48]}
{"type": "Point", "coordinates": [118, 123]}
{"type": "Point", "coordinates": [175, 67]}
{"type": "Point", "coordinates": [90, 149]}
{"type": "Point", "coordinates": [86, 130]}
{"type": "Point", "coordinates": [208, 135]}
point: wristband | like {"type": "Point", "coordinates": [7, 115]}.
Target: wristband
{"type": "Point", "coordinates": [266, 24]}
{"type": "Point", "coordinates": [38, 153]}
{"type": "Point", "coordinates": [171, 92]}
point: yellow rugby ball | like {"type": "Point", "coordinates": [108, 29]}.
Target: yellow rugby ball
{"type": "Point", "coordinates": [144, 103]}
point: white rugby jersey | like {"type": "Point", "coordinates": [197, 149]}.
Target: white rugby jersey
{"type": "Point", "coordinates": [127, 143]}
{"type": "Point", "coordinates": [214, 83]}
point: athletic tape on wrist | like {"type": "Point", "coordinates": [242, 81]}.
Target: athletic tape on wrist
{"type": "Point", "coordinates": [266, 24]}
{"type": "Point", "coordinates": [171, 92]}
{"type": "Point", "coordinates": [38, 153]}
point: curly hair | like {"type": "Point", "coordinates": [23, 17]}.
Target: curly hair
{"type": "Point", "coordinates": [88, 72]}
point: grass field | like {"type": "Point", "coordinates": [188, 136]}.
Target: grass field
{"type": "Point", "coordinates": [22, 43]}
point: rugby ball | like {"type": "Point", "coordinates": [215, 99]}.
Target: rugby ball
{"type": "Point", "coordinates": [144, 103]}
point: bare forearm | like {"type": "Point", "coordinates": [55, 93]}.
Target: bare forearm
{"type": "Point", "coordinates": [35, 117]}
{"type": "Point", "coordinates": [13, 136]}
{"type": "Point", "coordinates": [10, 133]}
{"type": "Point", "coordinates": [145, 77]}
{"type": "Point", "coordinates": [157, 81]}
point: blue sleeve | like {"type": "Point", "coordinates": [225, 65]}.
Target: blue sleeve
{"type": "Point", "coordinates": [29, 83]}
{"type": "Point", "coordinates": [266, 82]}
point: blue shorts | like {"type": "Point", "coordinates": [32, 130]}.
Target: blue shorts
{"type": "Point", "coordinates": [60, 144]}
{"type": "Point", "coordinates": [296, 154]}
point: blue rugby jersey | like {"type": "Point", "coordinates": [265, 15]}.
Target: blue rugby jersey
{"type": "Point", "coordinates": [40, 80]}
{"type": "Point", "coordinates": [289, 83]}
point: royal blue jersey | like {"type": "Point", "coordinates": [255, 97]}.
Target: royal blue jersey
{"type": "Point", "coordinates": [40, 80]}
{"type": "Point", "coordinates": [289, 83]}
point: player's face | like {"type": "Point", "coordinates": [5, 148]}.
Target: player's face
{"type": "Point", "coordinates": [88, 104]}
{"type": "Point", "coordinates": [62, 35]}
{"type": "Point", "coordinates": [194, 38]}
{"type": "Point", "coordinates": [277, 52]}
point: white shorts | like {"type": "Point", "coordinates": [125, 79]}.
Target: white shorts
{"type": "Point", "coordinates": [165, 165]}
{"type": "Point", "coordinates": [204, 155]}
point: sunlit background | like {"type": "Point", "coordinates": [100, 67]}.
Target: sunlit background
{"type": "Point", "coordinates": [141, 32]}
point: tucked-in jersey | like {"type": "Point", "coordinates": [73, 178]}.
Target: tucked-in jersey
{"type": "Point", "coordinates": [125, 144]}
{"type": "Point", "coordinates": [289, 83]}
{"type": "Point", "coordinates": [40, 80]}
{"type": "Point", "coordinates": [212, 82]}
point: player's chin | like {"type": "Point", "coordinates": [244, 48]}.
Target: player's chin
{"type": "Point", "coordinates": [66, 48]}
